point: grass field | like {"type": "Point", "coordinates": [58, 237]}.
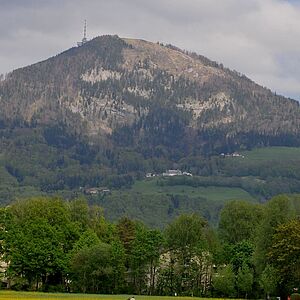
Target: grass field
{"type": "Point", "coordinates": [272, 153]}
{"type": "Point", "coordinates": [157, 205]}
{"type": "Point", "coordinates": [41, 296]}
{"type": "Point", "coordinates": [211, 193]}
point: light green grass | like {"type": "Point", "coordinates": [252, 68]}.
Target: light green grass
{"type": "Point", "coordinates": [272, 153]}
{"type": "Point", "coordinates": [5, 295]}
{"type": "Point", "coordinates": [211, 193]}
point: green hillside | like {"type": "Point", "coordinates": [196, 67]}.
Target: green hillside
{"type": "Point", "coordinates": [259, 174]}
{"type": "Point", "coordinates": [211, 193]}
{"type": "Point", "coordinates": [157, 205]}
{"type": "Point", "coordinates": [69, 171]}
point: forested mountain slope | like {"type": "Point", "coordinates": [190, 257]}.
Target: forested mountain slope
{"type": "Point", "coordinates": [140, 93]}
{"type": "Point", "coordinates": [106, 113]}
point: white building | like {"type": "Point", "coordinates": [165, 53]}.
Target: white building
{"type": "Point", "coordinates": [172, 173]}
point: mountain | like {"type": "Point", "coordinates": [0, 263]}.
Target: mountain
{"type": "Point", "coordinates": [104, 114]}
{"type": "Point", "coordinates": [138, 93]}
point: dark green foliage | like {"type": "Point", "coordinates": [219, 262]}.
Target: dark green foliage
{"type": "Point", "coordinates": [51, 245]}
{"type": "Point", "coordinates": [186, 233]}
{"type": "Point", "coordinates": [224, 282]}
{"type": "Point", "coordinates": [242, 254]}
{"type": "Point", "coordinates": [269, 280]}
{"type": "Point", "coordinates": [239, 220]}
{"type": "Point", "coordinates": [91, 269]}
{"type": "Point", "coordinates": [38, 236]}
{"type": "Point", "coordinates": [59, 137]}
{"type": "Point", "coordinates": [284, 253]}
{"type": "Point", "coordinates": [188, 250]}
{"type": "Point", "coordinates": [244, 280]}
{"type": "Point", "coordinates": [126, 231]}
{"type": "Point", "coordinates": [165, 126]}
{"type": "Point", "coordinates": [278, 210]}
{"type": "Point", "coordinates": [144, 258]}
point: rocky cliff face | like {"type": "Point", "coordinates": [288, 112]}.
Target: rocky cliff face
{"type": "Point", "coordinates": [143, 92]}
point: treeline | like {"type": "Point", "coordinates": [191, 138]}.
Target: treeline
{"type": "Point", "coordinates": [53, 245]}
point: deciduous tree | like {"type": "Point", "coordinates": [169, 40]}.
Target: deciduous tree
{"type": "Point", "coordinates": [285, 253]}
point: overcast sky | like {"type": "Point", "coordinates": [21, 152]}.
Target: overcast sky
{"type": "Point", "coordinates": [259, 38]}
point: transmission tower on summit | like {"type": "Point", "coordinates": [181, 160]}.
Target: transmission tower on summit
{"type": "Point", "coordinates": [84, 39]}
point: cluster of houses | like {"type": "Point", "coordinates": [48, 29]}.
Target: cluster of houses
{"type": "Point", "coordinates": [169, 173]}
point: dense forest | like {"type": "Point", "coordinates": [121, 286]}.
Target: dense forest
{"type": "Point", "coordinates": [54, 245]}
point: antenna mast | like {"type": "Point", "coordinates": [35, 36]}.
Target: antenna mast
{"type": "Point", "coordinates": [84, 39]}
{"type": "Point", "coordinates": [84, 32]}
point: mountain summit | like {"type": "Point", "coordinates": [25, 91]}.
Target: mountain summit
{"type": "Point", "coordinates": [136, 93]}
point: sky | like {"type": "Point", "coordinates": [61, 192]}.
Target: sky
{"type": "Point", "coordinates": [259, 38]}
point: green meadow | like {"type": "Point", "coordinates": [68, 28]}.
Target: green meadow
{"type": "Point", "coordinates": [212, 193]}
{"type": "Point", "coordinates": [7, 295]}
{"type": "Point", "coordinates": [272, 153]}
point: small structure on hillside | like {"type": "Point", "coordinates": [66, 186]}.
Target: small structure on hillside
{"type": "Point", "coordinates": [169, 173]}
{"type": "Point", "coordinates": [172, 173]}
{"type": "Point", "coordinates": [95, 190]}
{"type": "Point", "coordinates": [149, 175]}
{"type": "Point", "coordinates": [187, 174]}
